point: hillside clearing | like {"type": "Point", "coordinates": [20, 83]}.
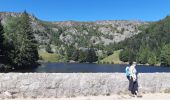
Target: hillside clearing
{"type": "Point", "coordinates": [114, 58]}
{"type": "Point", "coordinates": [49, 57]}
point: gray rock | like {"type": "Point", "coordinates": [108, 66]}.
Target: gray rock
{"type": "Point", "coordinates": [7, 94]}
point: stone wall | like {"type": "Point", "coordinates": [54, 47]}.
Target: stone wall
{"type": "Point", "coordinates": [77, 84]}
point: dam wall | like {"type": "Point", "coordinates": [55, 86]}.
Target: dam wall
{"type": "Point", "coordinates": [56, 85]}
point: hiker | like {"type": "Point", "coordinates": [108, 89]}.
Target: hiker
{"type": "Point", "coordinates": [128, 75]}
{"type": "Point", "coordinates": [133, 87]}
{"type": "Point", "coordinates": [127, 71]}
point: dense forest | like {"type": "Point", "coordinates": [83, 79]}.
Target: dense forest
{"type": "Point", "coordinates": [18, 46]}
{"type": "Point", "coordinates": [151, 46]}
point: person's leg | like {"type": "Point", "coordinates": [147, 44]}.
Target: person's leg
{"type": "Point", "coordinates": [128, 77]}
{"type": "Point", "coordinates": [136, 88]}
{"type": "Point", "coordinates": [131, 86]}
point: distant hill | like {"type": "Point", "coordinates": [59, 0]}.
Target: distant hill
{"type": "Point", "coordinates": [80, 33]}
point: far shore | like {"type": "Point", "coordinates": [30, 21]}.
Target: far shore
{"type": "Point", "coordinates": [74, 62]}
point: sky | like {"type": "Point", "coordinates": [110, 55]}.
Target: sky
{"type": "Point", "coordinates": [90, 10]}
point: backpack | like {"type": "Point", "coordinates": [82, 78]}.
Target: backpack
{"type": "Point", "coordinates": [127, 71]}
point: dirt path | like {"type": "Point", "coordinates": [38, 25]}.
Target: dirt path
{"type": "Point", "coordinates": [112, 97]}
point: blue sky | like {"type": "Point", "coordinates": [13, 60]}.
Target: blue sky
{"type": "Point", "coordinates": [90, 10]}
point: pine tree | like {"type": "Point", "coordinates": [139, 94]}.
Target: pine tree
{"type": "Point", "coordinates": [21, 46]}
{"type": "Point", "coordinates": [142, 56]}
{"type": "Point", "coordinates": [165, 55]}
{"type": "Point", "coordinates": [82, 56]}
{"type": "Point", "coordinates": [91, 55]}
{"type": "Point", "coordinates": [1, 41]}
{"type": "Point", "coordinates": [124, 55]}
{"type": "Point", "coordinates": [152, 59]}
{"type": "Point", "coordinates": [69, 52]}
{"type": "Point", "coordinates": [75, 55]}
{"type": "Point", "coordinates": [30, 51]}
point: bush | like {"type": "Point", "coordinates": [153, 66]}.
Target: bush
{"type": "Point", "coordinates": [48, 48]}
{"type": "Point", "coordinates": [124, 55]}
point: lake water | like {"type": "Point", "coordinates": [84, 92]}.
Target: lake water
{"type": "Point", "coordinates": [94, 68]}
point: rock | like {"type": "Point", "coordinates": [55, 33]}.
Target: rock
{"type": "Point", "coordinates": [7, 94]}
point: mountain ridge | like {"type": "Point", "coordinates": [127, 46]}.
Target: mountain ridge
{"type": "Point", "coordinates": [96, 32]}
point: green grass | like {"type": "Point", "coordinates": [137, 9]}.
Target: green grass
{"type": "Point", "coordinates": [49, 57]}
{"type": "Point", "coordinates": [53, 57]}
{"type": "Point", "coordinates": [114, 58]}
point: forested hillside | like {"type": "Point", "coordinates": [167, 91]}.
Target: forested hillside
{"type": "Point", "coordinates": [72, 40]}
{"type": "Point", "coordinates": [151, 46]}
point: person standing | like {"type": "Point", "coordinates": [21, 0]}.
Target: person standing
{"type": "Point", "coordinates": [128, 74]}
{"type": "Point", "coordinates": [133, 87]}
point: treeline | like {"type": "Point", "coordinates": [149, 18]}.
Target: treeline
{"type": "Point", "coordinates": [18, 47]}
{"type": "Point", "coordinates": [151, 46]}
{"type": "Point", "coordinates": [81, 55]}
{"type": "Point", "coordinates": [70, 53]}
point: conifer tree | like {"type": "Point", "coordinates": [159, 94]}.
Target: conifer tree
{"type": "Point", "coordinates": [1, 41]}
{"type": "Point", "coordinates": [91, 55]}
{"type": "Point", "coordinates": [23, 51]}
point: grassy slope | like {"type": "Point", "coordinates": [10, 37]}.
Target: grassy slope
{"type": "Point", "coordinates": [49, 57]}
{"type": "Point", "coordinates": [114, 58]}
{"type": "Point", "coordinates": [52, 57]}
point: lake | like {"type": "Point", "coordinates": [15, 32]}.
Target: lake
{"type": "Point", "coordinates": [94, 68]}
